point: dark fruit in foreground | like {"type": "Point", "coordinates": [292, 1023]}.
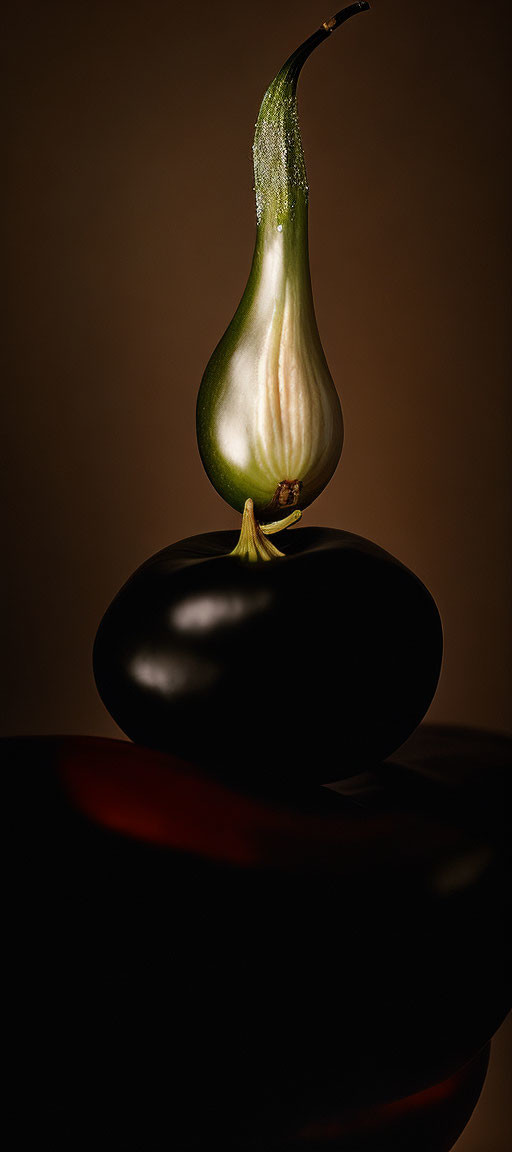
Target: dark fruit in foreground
{"type": "Point", "coordinates": [218, 971]}
{"type": "Point", "coordinates": [295, 669]}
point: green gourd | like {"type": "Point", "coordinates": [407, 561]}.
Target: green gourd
{"type": "Point", "coordinates": [269, 422]}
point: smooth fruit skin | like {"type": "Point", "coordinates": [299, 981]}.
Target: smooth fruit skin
{"type": "Point", "coordinates": [269, 422]}
{"type": "Point", "coordinates": [287, 671]}
{"type": "Point", "coordinates": [268, 418]}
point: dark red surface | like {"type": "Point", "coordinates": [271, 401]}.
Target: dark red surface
{"type": "Point", "coordinates": [428, 1121]}
{"type": "Point", "coordinates": [209, 965]}
{"type": "Point", "coordinates": [161, 800]}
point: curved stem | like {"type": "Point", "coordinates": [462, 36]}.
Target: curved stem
{"type": "Point", "coordinates": [304, 50]}
{"type": "Point", "coordinates": [253, 544]}
{"type": "Point", "coordinates": [279, 170]}
{"type": "Point", "coordinates": [277, 525]}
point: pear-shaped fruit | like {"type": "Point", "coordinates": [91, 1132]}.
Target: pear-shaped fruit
{"type": "Point", "coordinates": [269, 423]}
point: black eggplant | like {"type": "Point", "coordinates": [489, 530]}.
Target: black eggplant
{"type": "Point", "coordinates": [298, 668]}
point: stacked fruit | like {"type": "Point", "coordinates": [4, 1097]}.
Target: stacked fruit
{"type": "Point", "coordinates": [229, 953]}
{"type": "Point", "coordinates": [278, 667]}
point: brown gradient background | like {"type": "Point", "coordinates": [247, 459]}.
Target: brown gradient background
{"type": "Point", "coordinates": [129, 222]}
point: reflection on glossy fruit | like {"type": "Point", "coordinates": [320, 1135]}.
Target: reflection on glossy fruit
{"type": "Point", "coordinates": [293, 670]}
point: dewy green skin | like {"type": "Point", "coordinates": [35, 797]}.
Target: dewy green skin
{"type": "Point", "coordinates": [269, 421]}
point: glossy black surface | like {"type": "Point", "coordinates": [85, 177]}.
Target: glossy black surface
{"type": "Point", "coordinates": [198, 967]}
{"type": "Point", "coordinates": [294, 670]}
